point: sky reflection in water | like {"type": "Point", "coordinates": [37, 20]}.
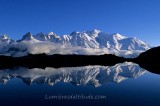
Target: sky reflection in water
{"type": "Point", "coordinates": [123, 84]}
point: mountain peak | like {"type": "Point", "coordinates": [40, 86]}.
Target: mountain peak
{"type": "Point", "coordinates": [40, 36]}
{"type": "Point", "coordinates": [96, 31]}
{"type": "Point", "coordinates": [93, 33]}
{"type": "Point", "coordinates": [4, 36]}
{"type": "Point", "coordinates": [27, 36]}
{"type": "Point", "coordinates": [5, 39]}
{"type": "Point", "coordinates": [28, 33]}
{"type": "Point", "coordinates": [51, 33]}
{"type": "Point", "coordinates": [119, 36]}
{"type": "Point", "coordinates": [40, 33]}
{"type": "Point", "coordinates": [75, 33]}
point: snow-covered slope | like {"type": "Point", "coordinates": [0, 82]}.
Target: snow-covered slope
{"type": "Point", "coordinates": [41, 37]}
{"type": "Point", "coordinates": [5, 39]}
{"type": "Point", "coordinates": [92, 39]}
{"type": "Point", "coordinates": [88, 40]}
{"type": "Point", "coordinates": [5, 42]}
{"type": "Point", "coordinates": [87, 75]}
{"type": "Point", "coordinates": [29, 37]}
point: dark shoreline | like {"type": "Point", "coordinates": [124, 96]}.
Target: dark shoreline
{"type": "Point", "coordinates": [56, 61]}
{"type": "Point", "coordinates": [149, 60]}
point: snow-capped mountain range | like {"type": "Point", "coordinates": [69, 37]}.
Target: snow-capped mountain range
{"type": "Point", "coordinates": [87, 42]}
{"type": "Point", "coordinates": [86, 75]}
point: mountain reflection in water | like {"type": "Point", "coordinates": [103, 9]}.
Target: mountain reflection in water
{"type": "Point", "coordinates": [86, 75]}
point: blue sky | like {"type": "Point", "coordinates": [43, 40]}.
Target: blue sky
{"type": "Point", "coordinates": [132, 18]}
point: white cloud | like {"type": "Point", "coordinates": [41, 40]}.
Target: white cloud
{"type": "Point", "coordinates": [37, 47]}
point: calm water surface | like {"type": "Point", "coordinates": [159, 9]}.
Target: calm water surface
{"type": "Point", "coordinates": [125, 84]}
